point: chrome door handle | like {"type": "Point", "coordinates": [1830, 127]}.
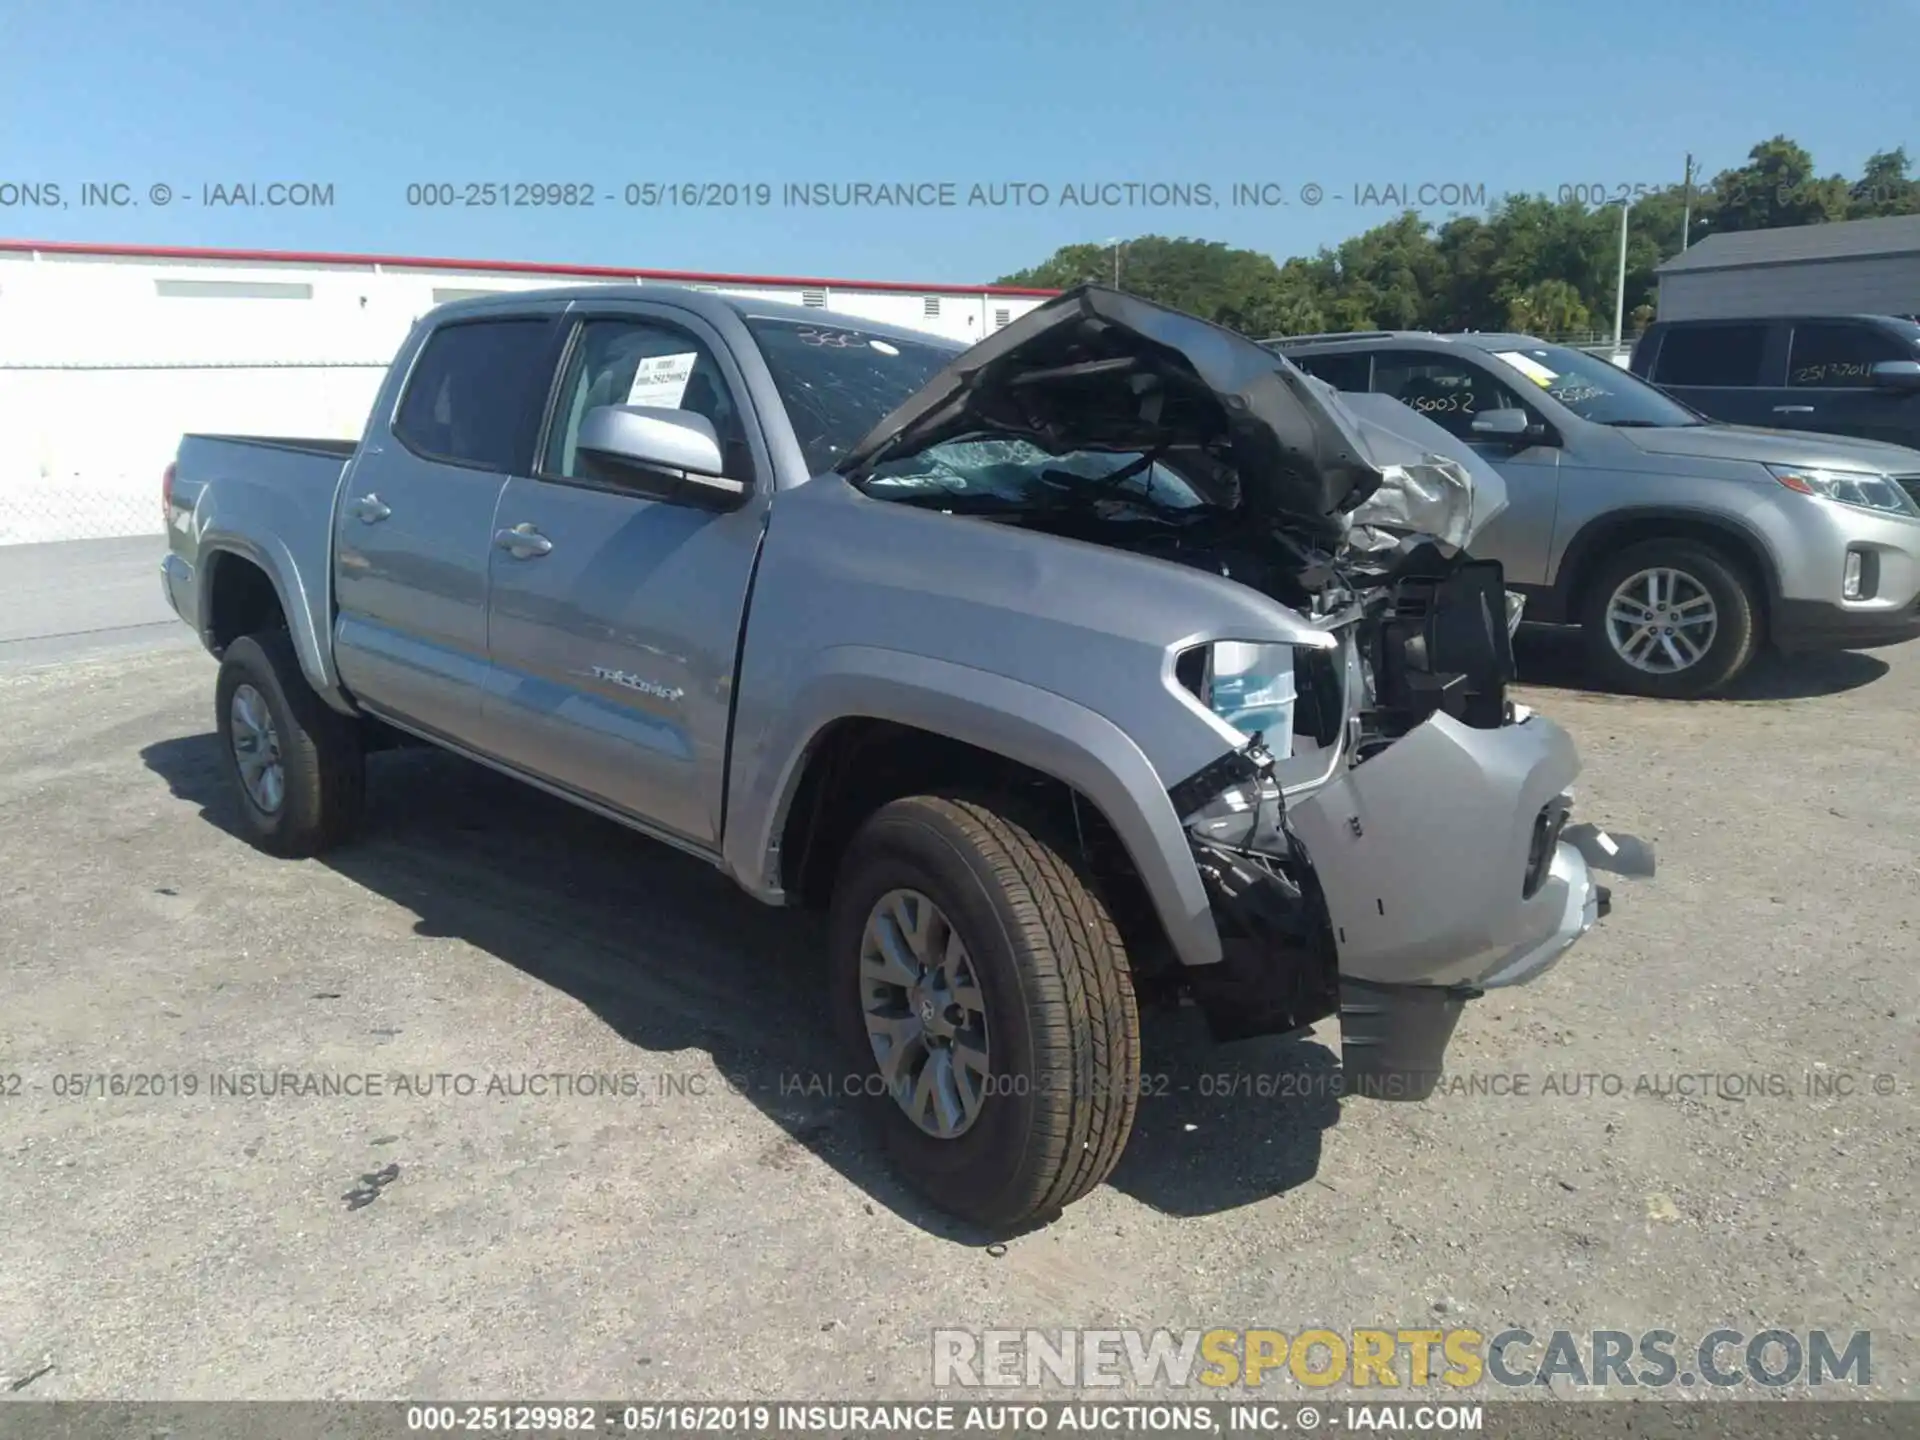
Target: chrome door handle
{"type": "Point", "coordinates": [523, 542]}
{"type": "Point", "coordinates": [1793, 409]}
{"type": "Point", "coordinates": [369, 509]}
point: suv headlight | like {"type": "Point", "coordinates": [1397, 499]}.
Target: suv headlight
{"type": "Point", "coordinates": [1864, 489]}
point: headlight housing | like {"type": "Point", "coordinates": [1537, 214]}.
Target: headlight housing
{"type": "Point", "coordinates": [1863, 489]}
{"type": "Point", "coordinates": [1251, 688]}
{"type": "Point", "coordinates": [1294, 696]}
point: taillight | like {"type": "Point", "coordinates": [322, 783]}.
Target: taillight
{"type": "Point", "coordinates": [166, 496]}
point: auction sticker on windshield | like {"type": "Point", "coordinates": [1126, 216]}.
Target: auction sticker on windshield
{"type": "Point", "coordinates": [1529, 367]}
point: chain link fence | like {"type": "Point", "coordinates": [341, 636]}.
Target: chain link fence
{"type": "Point", "coordinates": [82, 448]}
{"type": "Point", "coordinates": [35, 508]}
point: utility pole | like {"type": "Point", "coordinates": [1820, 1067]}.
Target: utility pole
{"type": "Point", "coordinates": [1620, 282]}
{"type": "Point", "coordinates": [1686, 213]}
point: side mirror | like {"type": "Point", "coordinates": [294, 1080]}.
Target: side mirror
{"type": "Point", "coordinates": [662, 453]}
{"type": "Point", "coordinates": [1897, 375]}
{"type": "Point", "coordinates": [1515, 425]}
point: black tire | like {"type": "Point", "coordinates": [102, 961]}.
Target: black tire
{"type": "Point", "coordinates": [1736, 636]}
{"type": "Point", "coordinates": [321, 759]}
{"type": "Point", "coordinates": [1064, 1032]}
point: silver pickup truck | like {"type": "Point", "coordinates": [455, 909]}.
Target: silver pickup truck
{"type": "Point", "coordinates": [1112, 655]}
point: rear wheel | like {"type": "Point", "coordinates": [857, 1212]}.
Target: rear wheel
{"type": "Point", "coordinates": [1669, 618]}
{"type": "Point", "coordinates": [981, 992]}
{"type": "Point", "coordinates": [296, 762]}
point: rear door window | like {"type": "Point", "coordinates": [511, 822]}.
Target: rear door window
{"type": "Point", "coordinates": [1829, 355]}
{"type": "Point", "coordinates": [1712, 355]}
{"type": "Point", "coordinates": [476, 392]}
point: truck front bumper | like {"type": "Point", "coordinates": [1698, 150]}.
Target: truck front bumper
{"type": "Point", "coordinates": [1441, 867]}
{"type": "Point", "coordinates": [1393, 1038]}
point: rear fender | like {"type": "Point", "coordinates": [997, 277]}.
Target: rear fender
{"type": "Point", "coordinates": [304, 610]}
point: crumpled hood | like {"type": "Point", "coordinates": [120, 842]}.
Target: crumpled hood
{"type": "Point", "coordinates": [1432, 482]}
{"type": "Point", "coordinates": [1774, 447]}
{"type": "Point", "coordinates": [1096, 369]}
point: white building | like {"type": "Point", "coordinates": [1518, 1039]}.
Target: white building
{"type": "Point", "coordinates": [109, 352]}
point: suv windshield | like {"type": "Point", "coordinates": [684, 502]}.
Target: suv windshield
{"type": "Point", "coordinates": [1596, 389]}
{"type": "Point", "coordinates": [838, 381]}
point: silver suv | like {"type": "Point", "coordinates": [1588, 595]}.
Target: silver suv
{"type": "Point", "coordinates": [1677, 544]}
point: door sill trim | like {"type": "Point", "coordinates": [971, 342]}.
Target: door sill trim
{"type": "Point", "coordinates": [558, 791]}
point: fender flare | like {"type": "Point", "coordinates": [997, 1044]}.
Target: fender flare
{"type": "Point", "coordinates": [1022, 722]}
{"type": "Point", "coordinates": [276, 561]}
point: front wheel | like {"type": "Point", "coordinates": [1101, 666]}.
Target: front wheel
{"type": "Point", "coordinates": [1669, 618]}
{"type": "Point", "coordinates": [981, 992]}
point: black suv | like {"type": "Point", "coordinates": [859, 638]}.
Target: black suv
{"type": "Point", "coordinates": [1837, 374]}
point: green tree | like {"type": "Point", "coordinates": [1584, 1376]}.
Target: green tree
{"type": "Point", "coordinates": [1776, 186]}
{"type": "Point", "coordinates": [1548, 307]}
{"type": "Point", "coordinates": [1528, 262]}
{"type": "Point", "coordinates": [1884, 188]}
{"type": "Point", "coordinates": [1067, 267]}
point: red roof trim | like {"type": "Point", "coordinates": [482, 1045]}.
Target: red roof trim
{"type": "Point", "coordinates": [504, 267]}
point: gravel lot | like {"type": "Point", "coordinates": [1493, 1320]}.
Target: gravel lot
{"type": "Point", "coordinates": [718, 1234]}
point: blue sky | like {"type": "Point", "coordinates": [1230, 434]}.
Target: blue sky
{"type": "Point", "coordinates": [370, 98]}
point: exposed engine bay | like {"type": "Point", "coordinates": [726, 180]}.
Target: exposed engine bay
{"type": "Point", "coordinates": [1430, 624]}
{"type": "Point", "coordinates": [1123, 424]}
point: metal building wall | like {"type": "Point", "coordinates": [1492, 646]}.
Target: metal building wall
{"type": "Point", "coordinates": [105, 360]}
{"type": "Point", "coordinates": [1873, 285]}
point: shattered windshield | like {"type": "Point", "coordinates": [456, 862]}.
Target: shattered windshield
{"type": "Point", "coordinates": [1596, 389]}
{"type": "Point", "coordinates": [838, 381]}
{"type": "Point", "coordinates": [988, 476]}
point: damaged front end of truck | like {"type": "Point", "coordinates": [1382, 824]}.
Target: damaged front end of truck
{"type": "Point", "coordinates": [1382, 834]}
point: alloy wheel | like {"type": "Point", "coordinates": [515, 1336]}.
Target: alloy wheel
{"type": "Point", "coordinates": [925, 1013]}
{"type": "Point", "coordinates": [1661, 621]}
{"type": "Point", "coordinates": [256, 748]}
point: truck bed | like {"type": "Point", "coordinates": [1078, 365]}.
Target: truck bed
{"type": "Point", "coordinates": [268, 498]}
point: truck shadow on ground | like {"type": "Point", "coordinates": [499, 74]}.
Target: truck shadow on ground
{"type": "Point", "coordinates": [673, 958]}
{"type": "Point", "coordinates": [1553, 658]}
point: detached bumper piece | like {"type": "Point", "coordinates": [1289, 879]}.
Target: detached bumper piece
{"type": "Point", "coordinates": [1393, 1038]}
{"type": "Point", "coordinates": [1613, 851]}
